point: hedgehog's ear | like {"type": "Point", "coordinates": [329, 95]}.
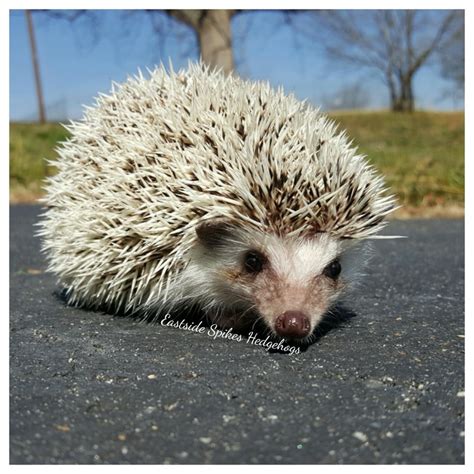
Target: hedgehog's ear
{"type": "Point", "coordinates": [214, 232]}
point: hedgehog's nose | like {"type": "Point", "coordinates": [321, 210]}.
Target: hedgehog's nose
{"type": "Point", "coordinates": [292, 324]}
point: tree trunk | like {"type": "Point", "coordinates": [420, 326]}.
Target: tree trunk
{"type": "Point", "coordinates": [34, 59]}
{"type": "Point", "coordinates": [214, 35]}
{"type": "Point", "coordinates": [215, 39]}
{"type": "Point", "coordinates": [404, 100]}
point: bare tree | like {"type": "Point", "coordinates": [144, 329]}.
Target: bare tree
{"type": "Point", "coordinates": [395, 43]}
{"type": "Point", "coordinates": [452, 55]}
{"type": "Point", "coordinates": [212, 30]}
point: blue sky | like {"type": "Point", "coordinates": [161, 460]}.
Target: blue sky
{"type": "Point", "coordinates": [74, 67]}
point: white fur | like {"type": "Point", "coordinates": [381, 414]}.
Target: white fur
{"type": "Point", "coordinates": [295, 261]}
{"type": "Point", "coordinates": [300, 260]}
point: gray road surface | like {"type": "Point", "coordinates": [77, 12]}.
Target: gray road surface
{"type": "Point", "coordinates": [384, 386]}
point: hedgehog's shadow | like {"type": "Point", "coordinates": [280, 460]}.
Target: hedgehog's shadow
{"type": "Point", "coordinates": [335, 318]}
{"type": "Point", "coordinates": [338, 316]}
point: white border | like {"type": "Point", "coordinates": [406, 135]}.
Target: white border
{"type": "Point", "coordinates": [333, 4]}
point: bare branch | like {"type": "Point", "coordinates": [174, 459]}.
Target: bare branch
{"type": "Point", "coordinates": [439, 36]}
{"type": "Point", "coordinates": [397, 43]}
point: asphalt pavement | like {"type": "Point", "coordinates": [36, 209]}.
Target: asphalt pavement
{"type": "Point", "coordinates": [383, 384]}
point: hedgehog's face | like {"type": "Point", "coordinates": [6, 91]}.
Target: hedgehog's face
{"type": "Point", "coordinates": [288, 283]}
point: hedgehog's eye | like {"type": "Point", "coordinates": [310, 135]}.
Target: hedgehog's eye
{"type": "Point", "coordinates": [333, 269]}
{"type": "Point", "coordinates": [253, 261]}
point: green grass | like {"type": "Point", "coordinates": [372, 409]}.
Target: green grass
{"type": "Point", "coordinates": [420, 154]}
{"type": "Point", "coordinates": [30, 146]}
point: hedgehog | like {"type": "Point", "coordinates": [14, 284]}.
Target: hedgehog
{"type": "Point", "coordinates": [195, 189]}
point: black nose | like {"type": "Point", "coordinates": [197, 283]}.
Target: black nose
{"type": "Point", "coordinates": [292, 324]}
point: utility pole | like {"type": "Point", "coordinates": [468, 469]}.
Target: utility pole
{"type": "Point", "coordinates": [34, 58]}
